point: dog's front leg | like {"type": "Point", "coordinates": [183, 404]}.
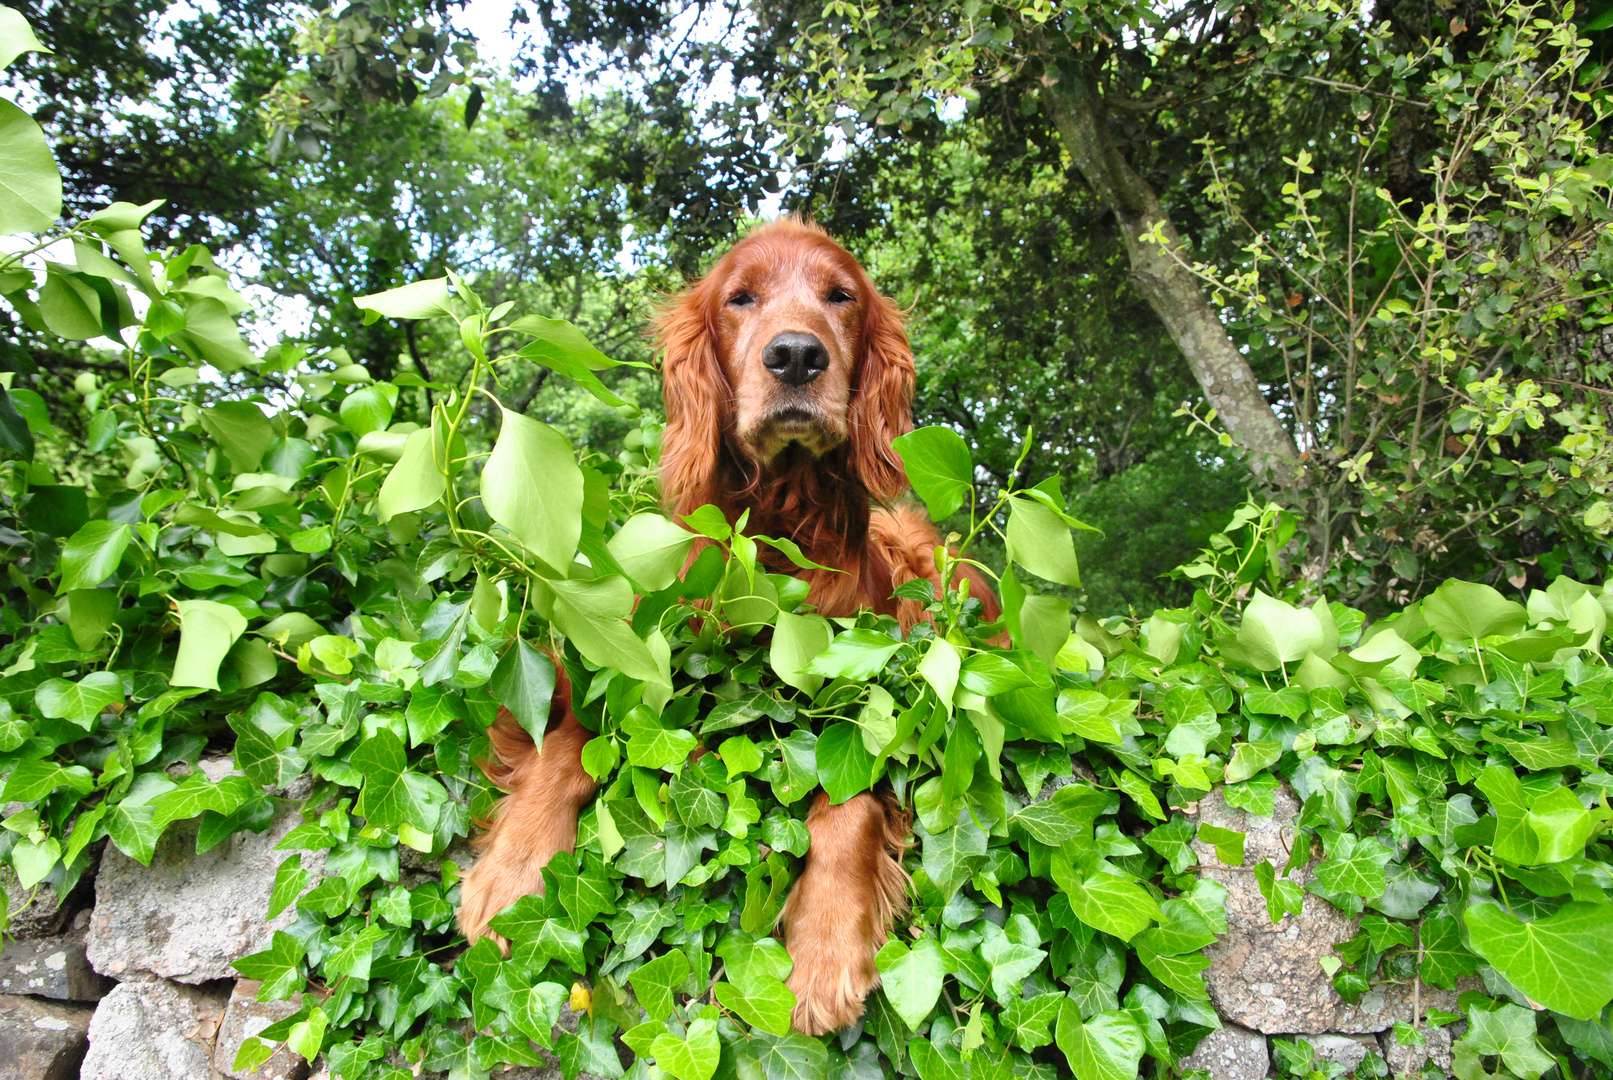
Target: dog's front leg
{"type": "Point", "coordinates": [536, 820]}
{"type": "Point", "coordinates": [842, 910]}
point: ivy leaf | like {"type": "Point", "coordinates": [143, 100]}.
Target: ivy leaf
{"type": "Point", "coordinates": [425, 299]}
{"type": "Point", "coordinates": [797, 640]}
{"type": "Point", "coordinates": [1039, 540]}
{"type": "Point", "coordinates": [1445, 958]}
{"type": "Point", "coordinates": [855, 654]}
{"type": "Point", "coordinates": [1564, 961]}
{"type": "Point", "coordinates": [532, 486]}
{"type": "Point", "coordinates": [912, 977]}
{"type": "Point", "coordinates": [1274, 633]}
{"type": "Point", "coordinates": [1031, 1019]}
{"type": "Point", "coordinates": [414, 482]}
{"type": "Point", "coordinates": [693, 1057]}
{"type": "Point", "coordinates": [1228, 843]}
{"type": "Point", "coordinates": [949, 857]}
{"type": "Point", "coordinates": [523, 683]}
{"type": "Point", "coordinates": [1011, 962]}
{"type": "Point", "coordinates": [392, 795]}
{"type": "Point", "coordinates": [651, 549]}
{"type": "Point", "coordinates": [655, 982]}
{"type": "Point", "coordinates": [1109, 1046]}
{"type": "Point", "coordinates": [588, 1050]}
{"type": "Point", "coordinates": [279, 967]}
{"type": "Point", "coordinates": [653, 746]}
{"type": "Point", "coordinates": [1355, 866]}
{"type": "Point", "coordinates": [91, 555]}
{"type": "Point", "coordinates": [30, 183]}
{"type": "Point", "coordinates": [81, 702]}
{"type": "Point", "coordinates": [793, 1057]}
{"type": "Point", "coordinates": [845, 767]}
{"type": "Point", "coordinates": [1506, 1031]}
{"type": "Point", "coordinates": [937, 1060]}
{"type": "Point", "coordinates": [290, 879]}
{"type": "Point", "coordinates": [1281, 896]}
{"type": "Point", "coordinates": [32, 780]}
{"type": "Point", "coordinates": [764, 1003]}
{"type": "Point", "coordinates": [207, 631]}
{"type": "Point", "coordinates": [197, 794]}
{"type": "Point", "coordinates": [585, 893]}
{"type": "Point", "coordinates": [1465, 611]}
{"type": "Point", "coordinates": [739, 755]}
{"type": "Point", "coordinates": [938, 467]}
{"type": "Point", "coordinates": [940, 668]}
{"type": "Point", "coordinates": [1105, 901]}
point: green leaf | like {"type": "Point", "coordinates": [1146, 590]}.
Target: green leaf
{"type": "Point", "coordinates": [1505, 1031]}
{"type": "Point", "coordinates": [81, 702]}
{"type": "Point", "coordinates": [1039, 540]}
{"type": "Point", "coordinates": [196, 795]}
{"type": "Point", "coordinates": [1105, 901]}
{"type": "Point", "coordinates": [32, 780]}
{"type": "Point", "coordinates": [1465, 611]}
{"type": "Point", "coordinates": [1563, 961]}
{"type": "Point", "coordinates": [1250, 758]}
{"type": "Point", "coordinates": [1282, 897]}
{"type": "Point", "coordinates": [797, 640]}
{"type": "Point", "coordinates": [764, 1003]}
{"type": "Point", "coordinates": [1274, 633]}
{"type": "Point", "coordinates": [937, 1060]}
{"type": "Point", "coordinates": [561, 347]}
{"type": "Point", "coordinates": [30, 183]}
{"type": "Point", "coordinates": [1011, 962]}
{"type": "Point", "coordinates": [207, 630]}
{"type": "Point", "coordinates": [417, 300]}
{"type": "Point", "coordinates": [940, 668]}
{"type": "Point", "coordinates": [651, 549]}
{"type": "Point", "coordinates": [601, 635]}
{"type": "Point", "coordinates": [794, 1057]}
{"type": "Point", "coordinates": [855, 654]}
{"type": "Point", "coordinates": [1355, 865]}
{"type": "Point", "coordinates": [845, 767]}
{"type": "Point", "coordinates": [15, 438]}
{"type": "Point", "coordinates": [1228, 843]}
{"type": "Point", "coordinates": [16, 38]}
{"type": "Point", "coordinates": [911, 977]}
{"type": "Point", "coordinates": [290, 881]}
{"type": "Point", "coordinates": [1445, 958]}
{"type": "Point", "coordinates": [950, 857]}
{"type": "Point", "coordinates": [91, 555]}
{"type": "Point", "coordinates": [651, 745]}
{"type": "Point", "coordinates": [241, 431]}
{"type": "Point", "coordinates": [415, 482]}
{"type": "Point", "coordinates": [533, 487]}
{"type": "Point", "coordinates": [523, 683]}
{"type": "Point", "coordinates": [279, 967]}
{"type": "Point", "coordinates": [655, 982]}
{"type": "Point", "coordinates": [693, 1057]}
{"type": "Point", "coordinates": [1109, 1046]}
{"type": "Point", "coordinates": [392, 795]}
{"type": "Point", "coordinates": [210, 336]}
{"type": "Point", "coordinates": [938, 467]}
{"type": "Point", "coordinates": [739, 755]}
{"type": "Point", "coordinates": [369, 408]}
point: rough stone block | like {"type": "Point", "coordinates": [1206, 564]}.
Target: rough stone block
{"type": "Point", "coordinates": [52, 967]}
{"type": "Point", "coordinates": [187, 916]}
{"type": "Point", "coordinates": [246, 1016]}
{"type": "Point", "coordinates": [1233, 1053]}
{"type": "Point", "coordinates": [1409, 1060]}
{"type": "Point", "coordinates": [1346, 1050]}
{"type": "Point", "coordinates": [41, 1040]}
{"type": "Point", "coordinates": [153, 1031]}
{"type": "Point", "coordinates": [1266, 977]}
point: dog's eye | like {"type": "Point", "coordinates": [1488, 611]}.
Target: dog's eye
{"type": "Point", "coordinates": [741, 299]}
{"type": "Point", "coordinates": [839, 296]}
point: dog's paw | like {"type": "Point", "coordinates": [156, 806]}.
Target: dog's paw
{"type": "Point", "coordinates": [487, 889]}
{"type": "Point", "coordinates": [831, 978]}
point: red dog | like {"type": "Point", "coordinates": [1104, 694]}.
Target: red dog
{"type": "Point", "coordinates": [787, 375]}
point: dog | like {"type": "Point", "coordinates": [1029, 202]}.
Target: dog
{"type": "Point", "coordinates": [786, 377]}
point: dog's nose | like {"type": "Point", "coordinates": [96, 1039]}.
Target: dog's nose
{"type": "Point", "coordinates": [795, 359]}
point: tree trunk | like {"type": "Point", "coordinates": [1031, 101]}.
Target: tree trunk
{"type": "Point", "coordinates": [1229, 384]}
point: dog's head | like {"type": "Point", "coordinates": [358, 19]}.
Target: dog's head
{"type": "Point", "coordinates": [784, 343]}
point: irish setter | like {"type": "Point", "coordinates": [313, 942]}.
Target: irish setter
{"type": "Point", "coordinates": [787, 375]}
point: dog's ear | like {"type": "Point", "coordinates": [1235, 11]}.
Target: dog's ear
{"type": "Point", "coordinates": [697, 399]}
{"type": "Point", "coordinates": [881, 407]}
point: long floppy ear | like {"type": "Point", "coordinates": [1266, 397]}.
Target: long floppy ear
{"type": "Point", "coordinates": [881, 408]}
{"type": "Point", "coordinates": [697, 401]}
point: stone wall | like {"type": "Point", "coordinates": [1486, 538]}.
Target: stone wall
{"type": "Point", "coordinates": [130, 977]}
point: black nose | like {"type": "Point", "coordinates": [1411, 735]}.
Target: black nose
{"type": "Point", "coordinates": [795, 359]}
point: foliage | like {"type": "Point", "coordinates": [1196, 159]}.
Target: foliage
{"type": "Point", "coordinates": [255, 553]}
